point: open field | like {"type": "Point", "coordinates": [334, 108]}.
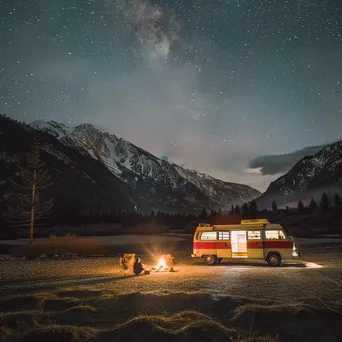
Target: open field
{"type": "Point", "coordinates": [91, 299]}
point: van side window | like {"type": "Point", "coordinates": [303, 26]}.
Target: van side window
{"type": "Point", "coordinates": [223, 235]}
{"type": "Point", "coordinates": [275, 235]}
{"type": "Point", "coordinates": [254, 235]}
{"type": "Point", "coordinates": [208, 236]}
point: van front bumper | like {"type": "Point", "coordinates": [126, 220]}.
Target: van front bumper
{"type": "Point", "coordinates": [193, 255]}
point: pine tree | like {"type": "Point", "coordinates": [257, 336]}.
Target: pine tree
{"type": "Point", "coordinates": [2, 183]}
{"type": "Point", "coordinates": [245, 209]}
{"type": "Point", "coordinates": [203, 213]}
{"type": "Point", "coordinates": [253, 209]}
{"type": "Point", "coordinates": [220, 212]}
{"type": "Point", "coordinates": [337, 199]}
{"type": "Point", "coordinates": [237, 210]}
{"type": "Point", "coordinates": [300, 206]}
{"type": "Point", "coordinates": [274, 206]}
{"type": "Point", "coordinates": [232, 210]}
{"type": "Point", "coordinates": [325, 202]}
{"type": "Point", "coordinates": [313, 205]}
{"type": "Point", "coordinates": [30, 208]}
{"type": "Point", "coordinates": [2, 166]}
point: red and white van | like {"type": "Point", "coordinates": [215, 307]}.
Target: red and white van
{"type": "Point", "coordinates": [251, 239]}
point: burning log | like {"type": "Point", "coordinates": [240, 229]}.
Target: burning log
{"type": "Point", "coordinates": [165, 264]}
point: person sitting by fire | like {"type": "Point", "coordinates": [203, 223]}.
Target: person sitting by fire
{"type": "Point", "coordinates": [138, 267]}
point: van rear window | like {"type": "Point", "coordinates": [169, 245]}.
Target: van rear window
{"type": "Point", "coordinates": [208, 236]}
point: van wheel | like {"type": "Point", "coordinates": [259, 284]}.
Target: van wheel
{"type": "Point", "coordinates": [273, 259]}
{"type": "Point", "coordinates": [210, 260]}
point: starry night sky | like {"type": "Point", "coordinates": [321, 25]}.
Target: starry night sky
{"type": "Point", "coordinates": [209, 84]}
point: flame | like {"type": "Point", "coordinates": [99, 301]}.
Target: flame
{"type": "Point", "coordinates": [161, 265]}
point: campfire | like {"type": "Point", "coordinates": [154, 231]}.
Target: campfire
{"type": "Point", "coordinates": [164, 264]}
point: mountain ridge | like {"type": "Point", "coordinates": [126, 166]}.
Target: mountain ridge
{"type": "Point", "coordinates": [126, 161]}
{"type": "Point", "coordinates": [310, 177]}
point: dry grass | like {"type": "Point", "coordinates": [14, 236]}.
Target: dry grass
{"type": "Point", "coordinates": [102, 316]}
{"type": "Point", "coordinates": [184, 326]}
{"type": "Point", "coordinates": [67, 245]}
{"type": "Point", "coordinates": [287, 319]}
{"type": "Point", "coordinates": [82, 315]}
{"type": "Point", "coordinates": [41, 301]}
{"type": "Point", "coordinates": [57, 333]}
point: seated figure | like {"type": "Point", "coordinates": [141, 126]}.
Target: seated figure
{"type": "Point", "coordinates": [138, 267]}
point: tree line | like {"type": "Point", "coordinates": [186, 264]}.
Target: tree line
{"type": "Point", "coordinates": [326, 202]}
{"type": "Point", "coordinates": [29, 207]}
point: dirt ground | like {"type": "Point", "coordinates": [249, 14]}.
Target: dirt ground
{"type": "Point", "coordinates": [232, 301]}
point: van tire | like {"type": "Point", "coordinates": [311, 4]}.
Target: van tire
{"type": "Point", "coordinates": [210, 259]}
{"type": "Point", "coordinates": [273, 259]}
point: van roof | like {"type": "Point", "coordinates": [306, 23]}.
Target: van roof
{"type": "Point", "coordinates": [223, 227]}
{"type": "Point", "coordinates": [244, 222]}
{"type": "Point", "coordinates": [255, 221]}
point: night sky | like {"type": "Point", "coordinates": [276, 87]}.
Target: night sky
{"type": "Point", "coordinates": [209, 84]}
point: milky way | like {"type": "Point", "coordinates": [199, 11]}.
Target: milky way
{"type": "Point", "coordinates": [212, 85]}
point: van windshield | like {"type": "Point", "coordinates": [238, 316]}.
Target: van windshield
{"type": "Point", "coordinates": [275, 235]}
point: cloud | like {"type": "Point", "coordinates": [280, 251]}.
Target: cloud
{"type": "Point", "coordinates": [277, 164]}
{"type": "Point", "coordinates": [253, 171]}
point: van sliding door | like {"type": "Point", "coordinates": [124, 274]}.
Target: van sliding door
{"type": "Point", "coordinates": [223, 245]}
{"type": "Point", "coordinates": [255, 245]}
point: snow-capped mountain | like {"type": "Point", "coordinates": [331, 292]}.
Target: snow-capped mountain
{"type": "Point", "coordinates": [308, 178]}
{"type": "Point", "coordinates": [142, 170]}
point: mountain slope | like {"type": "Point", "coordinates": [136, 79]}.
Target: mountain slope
{"type": "Point", "coordinates": [83, 184]}
{"type": "Point", "coordinates": [308, 178]}
{"type": "Point", "coordinates": [141, 170]}
{"type": "Point", "coordinates": [78, 180]}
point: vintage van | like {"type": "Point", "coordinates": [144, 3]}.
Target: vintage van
{"type": "Point", "coordinates": [251, 239]}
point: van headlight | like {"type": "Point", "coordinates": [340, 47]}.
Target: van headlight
{"type": "Point", "coordinates": [295, 253]}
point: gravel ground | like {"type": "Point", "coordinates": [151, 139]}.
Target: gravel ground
{"type": "Point", "coordinates": [318, 275]}
{"type": "Point", "coordinates": [91, 299]}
